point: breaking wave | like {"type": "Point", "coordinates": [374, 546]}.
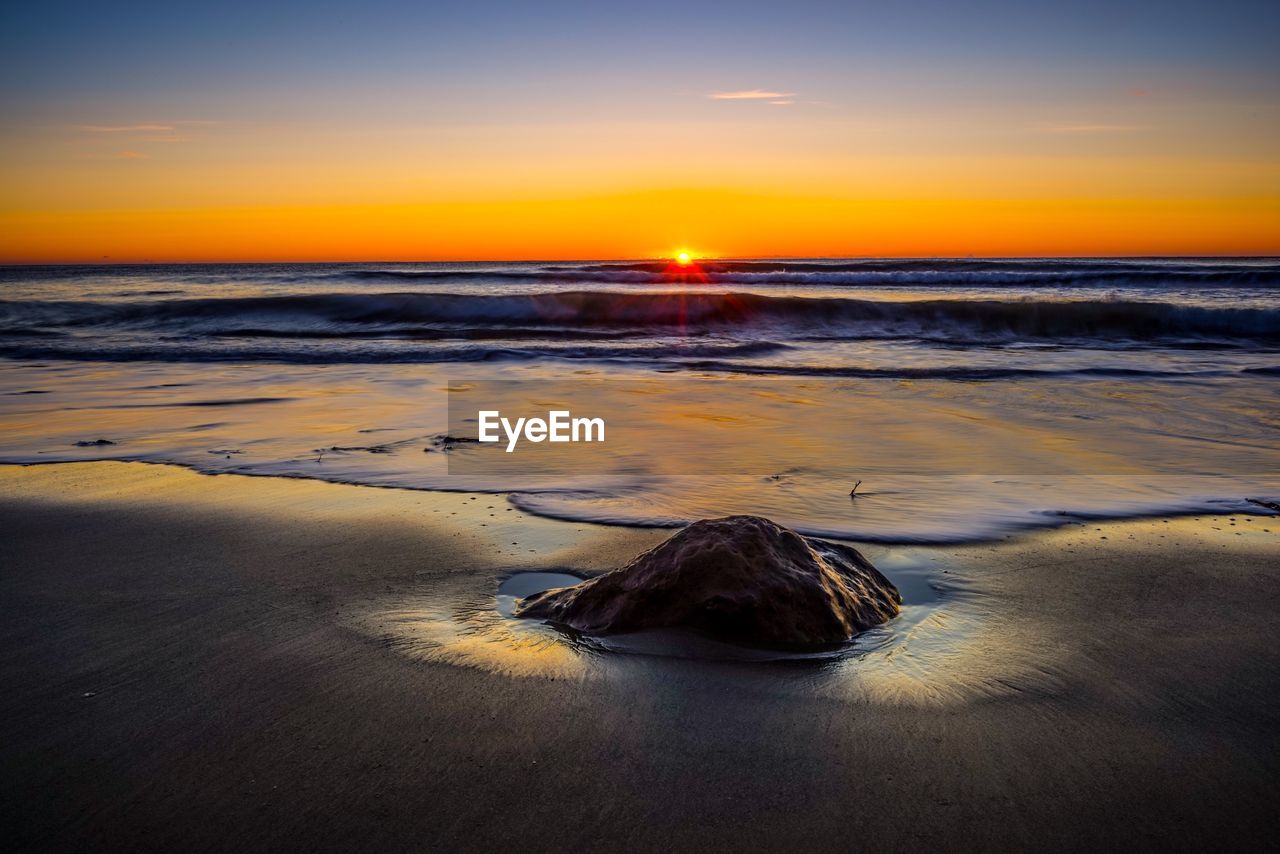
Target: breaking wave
{"type": "Point", "coordinates": [868, 273]}
{"type": "Point", "coordinates": [447, 316]}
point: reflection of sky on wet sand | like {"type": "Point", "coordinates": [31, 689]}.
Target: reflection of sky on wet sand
{"type": "Point", "coordinates": [475, 638]}
{"type": "Point", "coordinates": [939, 461]}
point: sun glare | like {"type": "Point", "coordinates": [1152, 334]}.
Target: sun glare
{"type": "Point", "coordinates": [683, 259]}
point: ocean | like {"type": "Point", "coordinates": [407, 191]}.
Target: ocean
{"type": "Point", "coordinates": [972, 398]}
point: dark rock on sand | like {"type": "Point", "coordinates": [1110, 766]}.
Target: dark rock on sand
{"type": "Point", "coordinates": [94, 443]}
{"type": "Point", "coordinates": [742, 578]}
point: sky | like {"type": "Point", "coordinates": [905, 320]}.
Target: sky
{"type": "Point", "coordinates": [446, 131]}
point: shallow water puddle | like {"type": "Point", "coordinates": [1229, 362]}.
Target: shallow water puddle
{"type": "Point", "coordinates": [523, 584]}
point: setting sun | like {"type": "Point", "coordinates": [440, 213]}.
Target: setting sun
{"type": "Point", "coordinates": [683, 259]}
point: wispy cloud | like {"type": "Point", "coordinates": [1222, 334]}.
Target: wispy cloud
{"type": "Point", "coordinates": [780, 98]}
{"type": "Point", "coordinates": [1085, 127]}
{"type": "Point", "coordinates": [162, 131]}
{"type": "Point", "coordinates": [129, 129]}
{"type": "Point", "coordinates": [99, 138]}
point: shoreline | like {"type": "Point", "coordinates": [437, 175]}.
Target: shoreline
{"type": "Point", "coordinates": [1249, 507]}
{"type": "Point", "coordinates": [197, 660]}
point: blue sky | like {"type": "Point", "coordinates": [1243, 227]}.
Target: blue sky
{"type": "Point", "coordinates": [229, 56]}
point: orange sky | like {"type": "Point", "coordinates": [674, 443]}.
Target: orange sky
{"type": "Point", "coordinates": [764, 184]}
{"type": "Point", "coordinates": [711, 223]}
{"type": "Point", "coordinates": [226, 134]}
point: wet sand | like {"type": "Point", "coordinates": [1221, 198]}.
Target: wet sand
{"type": "Point", "coordinates": [213, 663]}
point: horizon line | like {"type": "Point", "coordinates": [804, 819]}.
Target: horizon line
{"type": "Point", "coordinates": [652, 259]}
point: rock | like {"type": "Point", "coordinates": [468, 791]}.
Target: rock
{"type": "Point", "coordinates": [740, 578]}
{"type": "Point", "coordinates": [94, 443]}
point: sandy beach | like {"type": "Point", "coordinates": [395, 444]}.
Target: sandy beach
{"type": "Point", "coordinates": [640, 427]}
{"type": "Point", "coordinates": [232, 663]}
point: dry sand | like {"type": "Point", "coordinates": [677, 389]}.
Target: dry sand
{"type": "Point", "coordinates": [223, 663]}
